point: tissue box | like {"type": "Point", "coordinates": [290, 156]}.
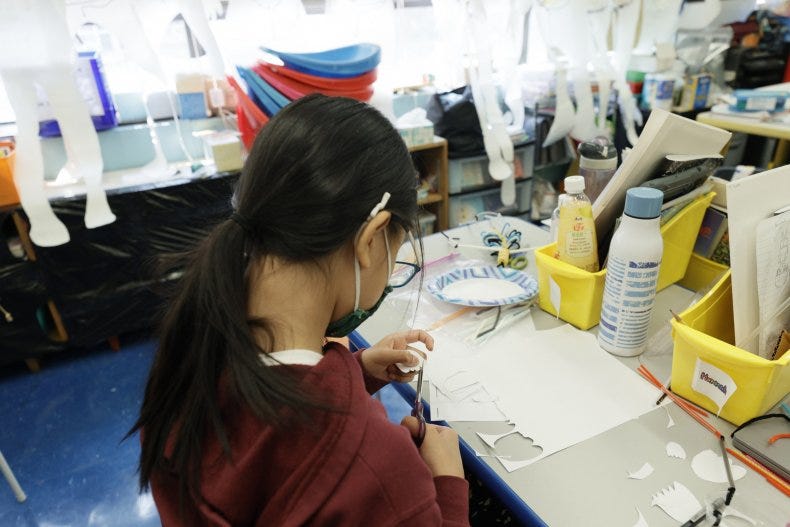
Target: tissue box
{"type": "Point", "coordinates": [416, 135]}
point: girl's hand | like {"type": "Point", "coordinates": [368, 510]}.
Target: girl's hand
{"type": "Point", "coordinates": [380, 360]}
{"type": "Point", "coordinates": [439, 448]}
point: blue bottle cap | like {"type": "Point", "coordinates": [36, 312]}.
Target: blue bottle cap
{"type": "Point", "coordinates": [643, 202]}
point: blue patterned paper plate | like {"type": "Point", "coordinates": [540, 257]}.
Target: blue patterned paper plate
{"type": "Point", "coordinates": [484, 286]}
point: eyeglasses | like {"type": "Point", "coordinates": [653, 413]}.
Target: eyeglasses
{"type": "Point", "coordinates": [403, 272]}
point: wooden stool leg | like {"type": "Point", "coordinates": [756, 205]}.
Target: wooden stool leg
{"type": "Point", "coordinates": [33, 365]}
{"type": "Point", "coordinates": [9, 476]}
{"type": "Point", "coordinates": [115, 344]}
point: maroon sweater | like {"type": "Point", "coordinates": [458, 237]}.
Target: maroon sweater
{"type": "Point", "coordinates": [353, 467]}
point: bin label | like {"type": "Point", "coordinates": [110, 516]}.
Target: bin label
{"type": "Point", "coordinates": [713, 383]}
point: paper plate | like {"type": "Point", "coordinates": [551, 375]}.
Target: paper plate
{"type": "Point", "coordinates": [484, 286]}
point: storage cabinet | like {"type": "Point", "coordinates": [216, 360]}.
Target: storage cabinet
{"type": "Point", "coordinates": [430, 160]}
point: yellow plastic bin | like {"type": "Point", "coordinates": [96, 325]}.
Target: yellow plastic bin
{"type": "Point", "coordinates": [581, 292]}
{"type": "Point", "coordinates": [701, 273]}
{"type": "Point", "coordinates": [707, 335]}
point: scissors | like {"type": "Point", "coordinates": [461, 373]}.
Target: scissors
{"type": "Point", "coordinates": [418, 412]}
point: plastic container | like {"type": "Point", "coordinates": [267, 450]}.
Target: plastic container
{"type": "Point", "coordinates": [597, 164]}
{"type": "Point", "coordinates": [706, 337]}
{"type": "Point", "coordinates": [463, 208]}
{"type": "Point", "coordinates": [581, 292]}
{"type": "Point", "coordinates": [576, 241]}
{"type": "Point", "coordinates": [632, 274]}
{"type": "Point", "coordinates": [471, 173]}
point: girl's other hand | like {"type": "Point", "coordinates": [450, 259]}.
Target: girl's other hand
{"type": "Point", "coordinates": [439, 449]}
{"type": "Point", "coordinates": [380, 360]}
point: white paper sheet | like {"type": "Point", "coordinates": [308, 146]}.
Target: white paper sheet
{"type": "Point", "coordinates": [749, 201]}
{"type": "Point", "coordinates": [590, 391]}
{"type": "Point", "coordinates": [773, 279]}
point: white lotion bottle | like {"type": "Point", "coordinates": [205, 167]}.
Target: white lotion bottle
{"type": "Point", "coordinates": [632, 274]}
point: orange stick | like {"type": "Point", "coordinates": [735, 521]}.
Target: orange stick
{"type": "Point", "coordinates": [769, 476]}
{"type": "Point", "coordinates": [452, 316]}
{"type": "Point", "coordinates": [777, 437]}
{"type": "Point", "coordinates": [655, 382]}
{"type": "Point", "coordinates": [688, 408]}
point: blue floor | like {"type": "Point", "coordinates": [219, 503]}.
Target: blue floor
{"type": "Point", "coordinates": [61, 431]}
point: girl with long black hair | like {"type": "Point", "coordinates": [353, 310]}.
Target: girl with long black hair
{"type": "Point", "coordinates": [249, 417]}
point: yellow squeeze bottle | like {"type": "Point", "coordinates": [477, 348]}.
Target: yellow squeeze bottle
{"type": "Point", "coordinates": [576, 241]}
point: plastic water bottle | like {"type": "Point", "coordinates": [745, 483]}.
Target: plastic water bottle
{"type": "Point", "coordinates": [597, 164]}
{"type": "Point", "coordinates": [576, 240]}
{"type": "Point", "coordinates": [632, 274]}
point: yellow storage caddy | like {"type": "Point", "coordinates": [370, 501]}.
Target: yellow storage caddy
{"type": "Point", "coordinates": [701, 273]}
{"type": "Point", "coordinates": [706, 334]}
{"type": "Point", "coordinates": [581, 292]}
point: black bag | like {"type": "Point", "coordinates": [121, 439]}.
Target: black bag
{"type": "Point", "coordinates": [454, 117]}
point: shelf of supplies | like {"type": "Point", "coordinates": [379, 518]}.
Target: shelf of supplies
{"type": "Point", "coordinates": [433, 197]}
{"type": "Point", "coordinates": [437, 142]}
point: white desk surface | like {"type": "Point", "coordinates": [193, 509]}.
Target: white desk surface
{"type": "Point", "coordinates": [587, 484]}
{"type": "Point", "coordinates": [733, 123]}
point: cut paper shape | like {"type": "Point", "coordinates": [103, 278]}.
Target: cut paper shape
{"type": "Point", "coordinates": [458, 381]}
{"type": "Point", "coordinates": [709, 466]}
{"type": "Point", "coordinates": [675, 450]}
{"type": "Point", "coordinates": [642, 473]}
{"type": "Point", "coordinates": [713, 382]}
{"type": "Point", "coordinates": [640, 522]}
{"type": "Point", "coordinates": [491, 439]}
{"type": "Point", "coordinates": [677, 501]}
{"type": "Point", "coordinates": [449, 408]}
{"type": "Point", "coordinates": [670, 421]}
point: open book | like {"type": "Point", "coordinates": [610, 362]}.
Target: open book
{"type": "Point", "coordinates": [665, 133]}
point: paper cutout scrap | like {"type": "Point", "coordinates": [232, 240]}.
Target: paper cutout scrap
{"type": "Point", "coordinates": [642, 473]}
{"type": "Point", "coordinates": [709, 466]}
{"type": "Point", "coordinates": [491, 439]}
{"type": "Point", "coordinates": [675, 450]}
{"type": "Point", "coordinates": [640, 522]}
{"type": "Point", "coordinates": [713, 382]}
{"type": "Point", "coordinates": [670, 421]}
{"type": "Point", "coordinates": [677, 501]}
